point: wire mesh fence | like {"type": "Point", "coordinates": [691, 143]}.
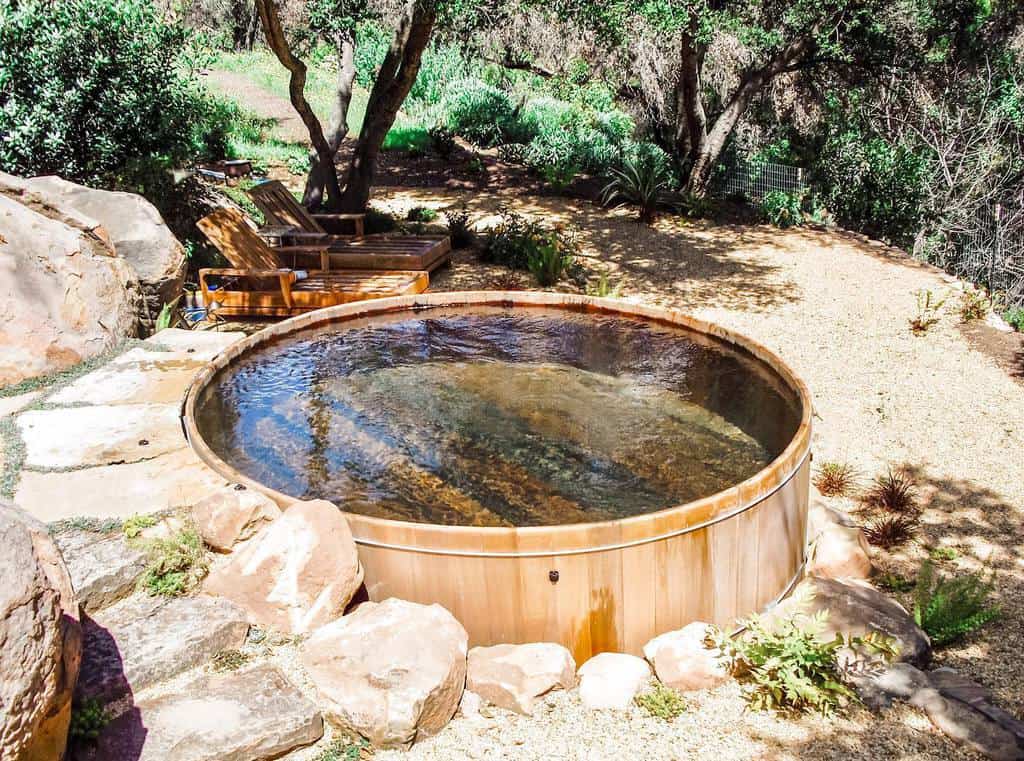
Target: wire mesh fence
{"type": "Point", "coordinates": [991, 254]}
{"type": "Point", "coordinates": [754, 179]}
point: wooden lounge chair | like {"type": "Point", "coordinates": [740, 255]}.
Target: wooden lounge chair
{"type": "Point", "coordinates": [363, 252]}
{"type": "Point", "coordinates": [257, 285]}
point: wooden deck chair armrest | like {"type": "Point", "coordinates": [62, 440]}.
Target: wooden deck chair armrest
{"type": "Point", "coordinates": [285, 279]}
{"type": "Point", "coordinates": [325, 259]}
{"type": "Point", "coordinates": [358, 221]}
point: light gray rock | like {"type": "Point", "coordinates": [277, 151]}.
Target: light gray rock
{"type": "Point", "coordinates": [897, 681]}
{"type": "Point", "coordinates": [65, 296]}
{"type": "Point", "coordinates": [133, 227]}
{"type": "Point", "coordinates": [40, 640]}
{"type": "Point", "coordinates": [963, 724]}
{"type": "Point", "coordinates": [249, 715]}
{"type": "Point", "coordinates": [515, 676]}
{"type": "Point", "coordinates": [142, 641]}
{"type": "Point", "coordinates": [612, 680]}
{"type": "Point", "coordinates": [103, 568]}
{"type": "Point", "coordinates": [202, 345]}
{"type": "Point", "coordinates": [857, 608]}
{"type": "Point", "coordinates": [393, 672]}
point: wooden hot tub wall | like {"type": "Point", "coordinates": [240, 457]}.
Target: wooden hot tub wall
{"type": "Point", "coordinates": [608, 586]}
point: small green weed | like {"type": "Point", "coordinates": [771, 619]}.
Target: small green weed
{"type": "Point", "coordinates": [421, 214]}
{"type": "Point", "coordinates": [662, 702]}
{"type": "Point", "coordinates": [791, 667]}
{"type": "Point", "coordinates": [548, 262]}
{"type": "Point", "coordinates": [1015, 318]}
{"type": "Point", "coordinates": [893, 582]}
{"type": "Point", "coordinates": [175, 566]}
{"type": "Point", "coordinates": [85, 523]}
{"type": "Point", "coordinates": [604, 288]}
{"type": "Point", "coordinates": [975, 303]}
{"type": "Point", "coordinates": [88, 718]}
{"type": "Point", "coordinates": [229, 660]}
{"type": "Point", "coordinates": [949, 609]}
{"type": "Point", "coordinates": [136, 524]}
{"type": "Point", "coordinates": [943, 553]}
{"type": "Point", "coordinates": [344, 749]}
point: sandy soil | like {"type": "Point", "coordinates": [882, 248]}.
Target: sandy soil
{"type": "Point", "coordinates": [837, 308]}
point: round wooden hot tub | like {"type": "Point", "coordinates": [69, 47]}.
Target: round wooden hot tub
{"type": "Point", "coordinates": [599, 586]}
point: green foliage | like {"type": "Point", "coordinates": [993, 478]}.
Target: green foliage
{"type": "Point", "coordinates": [442, 141]}
{"type": "Point", "coordinates": [783, 208]}
{"type": "Point", "coordinates": [88, 718]}
{"type": "Point", "coordinates": [93, 89]}
{"type": "Point", "coordinates": [133, 526]}
{"type": "Point", "coordinates": [943, 553]}
{"type": "Point", "coordinates": [643, 180]}
{"type": "Point", "coordinates": [949, 609]}
{"type": "Point", "coordinates": [411, 139]}
{"type": "Point", "coordinates": [378, 222]}
{"type": "Point", "coordinates": [460, 228]}
{"type": "Point", "coordinates": [604, 288]}
{"type": "Point", "coordinates": [1015, 317]}
{"type": "Point", "coordinates": [229, 660]}
{"type": "Point", "coordinates": [975, 303]}
{"type": "Point", "coordinates": [894, 582]}
{"type": "Point", "coordinates": [85, 523]}
{"type": "Point", "coordinates": [343, 749]}
{"type": "Point", "coordinates": [175, 566]}
{"type": "Point", "coordinates": [790, 666]}
{"type": "Point", "coordinates": [481, 113]}
{"type": "Point", "coordinates": [516, 242]}
{"type": "Point", "coordinates": [661, 702]}
{"type": "Point", "coordinates": [421, 214]}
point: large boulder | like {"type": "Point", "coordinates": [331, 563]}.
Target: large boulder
{"type": "Point", "coordinates": [232, 515]}
{"type": "Point", "coordinates": [856, 608]}
{"type": "Point", "coordinates": [612, 680]}
{"type": "Point", "coordinates": [135, 229]}
{"type": "Point", "coordinates": [40, 641]}
{"type": "Point", "coordinates": [299, 573]}
{"type": "Point", "coordinates": [65, 295]}
{"type": "Point", "coordinates": [515, 676]}
{"type": "Point", "coordinates": [393, 671]}
{"type": "Point", "coordinates": [838, 547]}
{"type": "Point", "coordinates": [682, 660]}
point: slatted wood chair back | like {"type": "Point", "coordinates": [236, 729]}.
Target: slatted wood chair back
{"type": "Point", "coordinates": [280, 207]}
{"type": "Point", "coordinates": [230, 232]}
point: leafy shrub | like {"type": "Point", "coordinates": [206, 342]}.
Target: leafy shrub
{"type": "Point", "coordinates": [175, 565]}
{"type": "Point", "coordinates": [136, 524]}
{"type": "Point", "coordinates": [482, 114]}
{"type": "Point", "coordinates": [835, 479]}
{"type": "Point", "coordinates": [92, 88]}
{"type": "Point", "coordinates": [782, 208]}
{"type": "Point", "coordinates": [442, 141]}
{"type": "Point", "coordinates": [460, 229]}
{"type": "Point", "coordinates": [88, 718]}
{"type": "Point", "coordinates": [791, 667]}
{"type": "Point", "coordinates": [343, 749]}
{"type": "Point", "coordinates": [662, 702]}
{"type": "Point", "coordinates": [421, 214]}
{"type": "Point", "coordinates": [377, 221]}
{"type": "Point", "coordinates": [1015, 317]}
{"type": "Point", "coordinates": [974, 304]}
{"type": "Point", "coordinates": [559, 176]}
{"type": "Point", "coordinates": [549, 260]}
{"type": "Point", "coordinates": [894, 582]}
{"type": "Point", "coordinates": [943, 553]}
{"type": "Point", "coordinates": [643, 181]}
{"type": "Point", "coordinates": [948, 609]}
{"type": "Point", "coordinates": [889, 531]}
{"type": "Point", "coordinates": [516, 240]}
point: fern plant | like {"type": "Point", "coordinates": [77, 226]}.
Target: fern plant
{"type": "Point", "coordinates": [642, 181]}
{"type": "Point", "coordinates": [790, 666]}
{"type": "Point", "coordinates": [949, 609]}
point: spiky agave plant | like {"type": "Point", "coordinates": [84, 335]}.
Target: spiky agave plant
{"type": "Point", "coordinates": [642, 181]}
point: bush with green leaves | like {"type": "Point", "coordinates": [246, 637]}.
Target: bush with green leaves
{"type": "Point", "coordinates": [460, 228]}
{"type": "Point", "coordinates": [421, 214]}
{"type": "Point", "coordinates": [661, 702]}
{"type": "Point", "coordinates": [789, 665]}
{"type": "Point", "coordinates": [516, 241]}
{"type": "Point", "coordinates": [783, 208]}
{"type": "Point", "coordinates": [1015, 318]}
{"type": "Point", "coordinates": [549, 260]}
{"type": "Point", "coordinates": [949, 609]}
{"type": "Point", "coordinates": [91, 88]}
{"type": "Point", "coordinates": [481, 113]}
{"type": "Point", "coordinates": [88, 718]}
{"type": "Point", "coordinates": [643, 180]}
{"type": "Point", "coordinates": [175, 565]}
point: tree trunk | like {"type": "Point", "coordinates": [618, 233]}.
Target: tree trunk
{"type": "Point", "coordinates": [395, 79]}
{"type": "Point", "coordinates": [243, 24]}
{"type": "Point", "coordinates": [706, 146]}
{"type": "Point", "coordinates": [691, 121]}
{"type": "Point", "coordinates": [296, 92]}
{"type": "Point", "coordinates": [313, 196]}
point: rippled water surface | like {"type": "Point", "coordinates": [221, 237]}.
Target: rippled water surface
{"type": "Point", "coordinates": [492, 417]}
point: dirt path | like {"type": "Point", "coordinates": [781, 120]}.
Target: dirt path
{"type": "Point", "coordinates": [249, 95]}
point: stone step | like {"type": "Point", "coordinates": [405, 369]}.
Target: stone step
{"type": "Point", "coordinates": [104, 568]}
{"type": "Point", "coordinates": [144, 640]}
{"type": "Point", "coordinates": [248, 715]}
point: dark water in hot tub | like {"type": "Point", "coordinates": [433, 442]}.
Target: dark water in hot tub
{"type": "Point", "coordinates": [491, 417]}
